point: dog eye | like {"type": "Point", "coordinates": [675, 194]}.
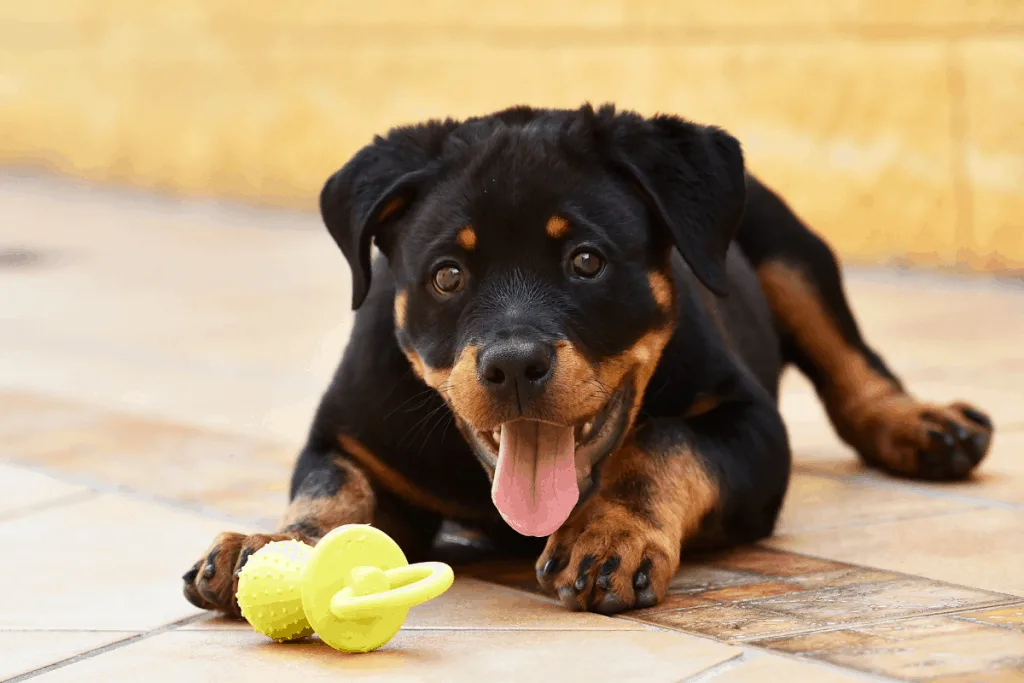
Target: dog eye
{"type": "Point", "coordinates": [587, 264]}
{"type": "Point", "coordinates": [448, 279]}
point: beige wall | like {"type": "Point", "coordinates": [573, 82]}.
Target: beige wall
{"type": "Point", "coordinates": [896, 127]}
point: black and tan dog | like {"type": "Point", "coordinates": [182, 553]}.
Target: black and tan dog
{"type": "Point", "coordinates": [576, 333]}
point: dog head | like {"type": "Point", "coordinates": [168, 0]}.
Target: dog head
{"type": "Point", "coordinates": [530, 250]}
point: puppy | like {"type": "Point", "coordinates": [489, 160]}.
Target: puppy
{"type": "Point", "coordinates": [572, 341]}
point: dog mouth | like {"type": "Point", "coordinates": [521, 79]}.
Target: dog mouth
{"type": "Point", "coordinates": [538, 468]}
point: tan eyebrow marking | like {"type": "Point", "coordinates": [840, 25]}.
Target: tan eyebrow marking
{"type": "Point", "coordinates": [557, 227]}
{"type": "Point", "coordinates": [467, 238]}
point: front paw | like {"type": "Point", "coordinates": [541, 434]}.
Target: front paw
{"type": "Point", "coordinates": [607, 560]}
{"type": "Point", "coordinates": [212, 582]}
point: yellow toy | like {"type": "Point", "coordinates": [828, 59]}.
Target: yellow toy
{"type": "Point", "coordinates": [354, 589]}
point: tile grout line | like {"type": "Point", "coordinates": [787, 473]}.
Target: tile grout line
{"type": "Point", "coordinates": [729, 664]}
{"type": "Point", "coordinates": [100, 487]}
{"type": "Point", "coordinates": [53, 503]}
{"type": "Point", "coordinates": [89, 654]}
{"type": "Point", "coordinates": [43, 629]}
{"type": "Point", "coordinates": [1008, 600]}
{"type": "Point", "coordinates": [949, 612]}
{"type": "Point", "coordinates": [970, 620]}
{"type": "Point", "coordinates": [867, 675]}
{"type": "Point", "coordinates": [1012, 599]}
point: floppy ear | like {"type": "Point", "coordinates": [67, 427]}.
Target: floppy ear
{"type": "Point", "coordinates": [375, 188]}
{"type": "Point", "coordinates": [693, 178]}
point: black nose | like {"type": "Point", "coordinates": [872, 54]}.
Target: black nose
{"type": "Point", "coordinates": [516, 366]}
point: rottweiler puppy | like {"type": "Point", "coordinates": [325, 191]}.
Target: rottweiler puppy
{"type": "Point", "coordinates": [572, 341]}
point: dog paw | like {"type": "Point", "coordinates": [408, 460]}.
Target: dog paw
{"type": "Point", "coordinates": [608, 561]}
{"type": "Point", "coordinates": [925, 441]}
{"type": "Point", "coordinates": [211, 583]}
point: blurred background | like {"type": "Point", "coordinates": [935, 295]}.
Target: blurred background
{"type": "Point", "coordinates": [896, 127]}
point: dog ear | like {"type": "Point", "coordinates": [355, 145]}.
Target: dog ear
{"type": "Point", "coordinates": [375, 188]}
{"type": "Point", "coordinates": [694, 180]}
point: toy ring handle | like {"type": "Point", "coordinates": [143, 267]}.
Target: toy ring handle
{"type": "Point", "coordinates": [412, 584]}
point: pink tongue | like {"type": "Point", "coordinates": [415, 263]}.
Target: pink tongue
{"type": "Point", "coordinates": [535, 485]}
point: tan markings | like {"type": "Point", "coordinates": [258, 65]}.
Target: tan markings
{"type": "Point", "coordinates": [704, 403]}
{"type": "Point", "coordinates": [467, 238]}
{"type": "Point", "coordinates": [352, 504]}
{"type": "Point", "coordinates": [865, 406]}
{"type": "Point", "coordinates": [397, 483]}
{"type": "Point", "coordinates": [684, 492]}
{"type": "Point", "coordinates": [647, 506]}
{"type": "Point", "coordinates": [557, 227]}
{"type": "Point", "coordinates": [436, 378]}
{"type": "Point", "coordinates": [391, 207]}
{"type": "Point", "coordinates": [401, 299]}
{"type": "Point", "coordinates": [576, 391]}
{"type": "Point", "coordinates": [416, 362]}
{"type": "Point", "coordinates": [661, 290]}
{"type": "Point", "coordinates": [468, 398]}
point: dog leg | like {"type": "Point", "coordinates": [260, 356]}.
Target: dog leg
{"type": "Point", "coordinates": [328, 491]}
{"type": "Point", "coordinates": [867, 404]}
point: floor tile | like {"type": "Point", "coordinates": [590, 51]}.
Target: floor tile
{"type": "Point", "coordinates": [106, 563]}
{"type": "Point", "coordinates": [814, 502]}
{"type": "Point", "coordinates": [851, 576]}
{"type": "Point", "coordinates": [730, 614]}
{"type": "Point", "coordinates": [877, 601]}
{"type": "Point", "coordinates": [190, 311]}
{"type": "Point", "coordinates": [768, 562]}
{"type": "Point", "coordinates": [24, 651]}
{"type": "Point", "coordinates": [983, 549]}
{"type": "Point", "coordinates": [731, 623]}
{"type": "Point", "coordinates": [750, 591]}
{"type": "Point", "coordinates": [763, 668]}
{"type": "Point", "coordinates": [694, 577]}
{"type": "Point", "coordinates": [21, 489]}
{"type": "Point", "coordinates": [1008, 617]}
{"type": "Point", "coordinates": [918, 649]}
{"type": "Point", "coordinates": [247, 478]}
{"type": "Point", "coordinates": [420, 656]}
{"type": "Point", "coordinates": [997, 674]}
{"type": "Point", "coordinates": [473, 604]}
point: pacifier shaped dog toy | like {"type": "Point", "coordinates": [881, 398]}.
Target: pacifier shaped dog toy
{"type": "Point", "coordinates": [353, 589]}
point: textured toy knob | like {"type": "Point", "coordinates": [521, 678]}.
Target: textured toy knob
{"type": "Point", "coordinates": [354, 589]}
{"type": "Point", "coordinates": [270, 590]}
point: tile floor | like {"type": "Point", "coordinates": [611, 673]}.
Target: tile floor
{"type": "Point", "coordinates": [159, 361]}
